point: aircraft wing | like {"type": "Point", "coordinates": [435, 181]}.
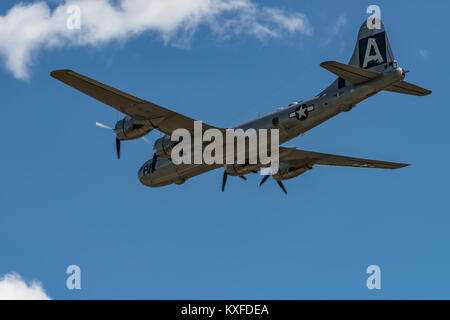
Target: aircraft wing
{"type": "Point", "coordinates": [164, 119]}
{"type": "Point", "coordinates": [301, 157]}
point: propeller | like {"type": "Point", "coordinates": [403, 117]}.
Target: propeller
{"type": "Point", "coordinates": [146, 140]}
{"type": "Point", "coordinates": [224, 179]}
{"type": "Point", "coordinates": [154, 159]}
{"type": "Point", "coordinates": [264, 179]}
{"type": "Point", "coordinates": [104, 126]}
{"type": "Point", "coordinates": [282, 186]}
{"type": "Point", "coordinates": [118, 148]}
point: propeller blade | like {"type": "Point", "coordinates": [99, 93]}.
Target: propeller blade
{"type": "Point", "coordinates": [243, 178]}
{"type": "Point", "coordinates": [118, 148]}
{"type": "Point", "coordinates": [104, 126]}
{"type": "Point", "coordinates": [282, 186]}
{"type": "Point", "coordinates": [154, 159]}
{"type": "Point", "coordinates": [146, 140]}
{"type": "Point", "coordinates": [224, 180]}
{"type": "Point", "coordinates": [264, 180]}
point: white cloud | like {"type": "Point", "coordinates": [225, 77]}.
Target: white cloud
{"type": "Point", "coordinates": [341, 21]}
{"type": "Point", "coordinates": [335, 30]}
{"type": "Point", "coordinates": [27, 28]}
{"type": "Point", "coordinates": [13, 287]}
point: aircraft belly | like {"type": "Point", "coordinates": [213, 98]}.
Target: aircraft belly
{"type": "Point", "coordinates": [170, 173]}
{"type": "Point", "coordinates": [321, 113]}
{"type": "Point", "coordinates": [188, 171]}
{"type": "Point", "coordinates": [330, 107]}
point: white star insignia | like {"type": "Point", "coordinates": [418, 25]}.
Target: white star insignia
{"type": "Point", "coordinates": [302, 112]}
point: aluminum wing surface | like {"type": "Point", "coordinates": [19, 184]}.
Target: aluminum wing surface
{"type": "Point", "coordinates": [163, 119]}
{"type": "Point", "coordinates": [408, 88]}
{"type": "Point", "coordinates": [350, 73]}
{"type": "Point", "coordinates": [301, 157]}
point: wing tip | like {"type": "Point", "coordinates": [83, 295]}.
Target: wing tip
{"type": "Point", "coordinates": [424, 92]}
{"type": "Point", "coordinates": [402, 165]}
{"type": "Point", "coordinates": [56, 73]}
{"type": "Point", "coordinates": [326, 63]}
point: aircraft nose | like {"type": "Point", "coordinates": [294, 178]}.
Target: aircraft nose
{"type": "Point", "coordinates": [144, 173]}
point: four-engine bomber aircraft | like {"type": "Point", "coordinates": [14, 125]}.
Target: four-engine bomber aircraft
{"type": "Point", "coordinates": [371, 69]}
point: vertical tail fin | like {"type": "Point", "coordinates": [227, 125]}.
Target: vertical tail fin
{"type": "Point", "coordinates": [372, 51]}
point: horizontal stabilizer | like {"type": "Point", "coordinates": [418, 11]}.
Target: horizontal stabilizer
{"type": "Point", "coordinates": [408, 88]}
{"type": "Point", "coordinates": [353, 74]}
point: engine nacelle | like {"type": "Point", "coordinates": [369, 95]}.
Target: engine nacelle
{"type": "Point", "coordinates": [241, 169]}
{"type": "Point", "coordinates": [163, 147]}
{"type": "Point", "coordinates": [130, 129]}
{"type": "Point", "coordinates": [287, 171]}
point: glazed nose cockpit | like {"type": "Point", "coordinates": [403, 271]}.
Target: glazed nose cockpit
{"type": "Point", "coordinates": [159, 173]}
{"type": "Point", "coordinates": [145, 172]}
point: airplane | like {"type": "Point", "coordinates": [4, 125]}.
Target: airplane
{"type": "Point", "coordinates": [372, 68]}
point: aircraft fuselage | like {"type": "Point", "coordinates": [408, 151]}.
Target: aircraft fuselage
{"type": "Point", "coordinates": [291, 121]}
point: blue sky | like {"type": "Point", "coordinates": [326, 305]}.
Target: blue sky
{"type": "Point", "coordinates": [67, 200]}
